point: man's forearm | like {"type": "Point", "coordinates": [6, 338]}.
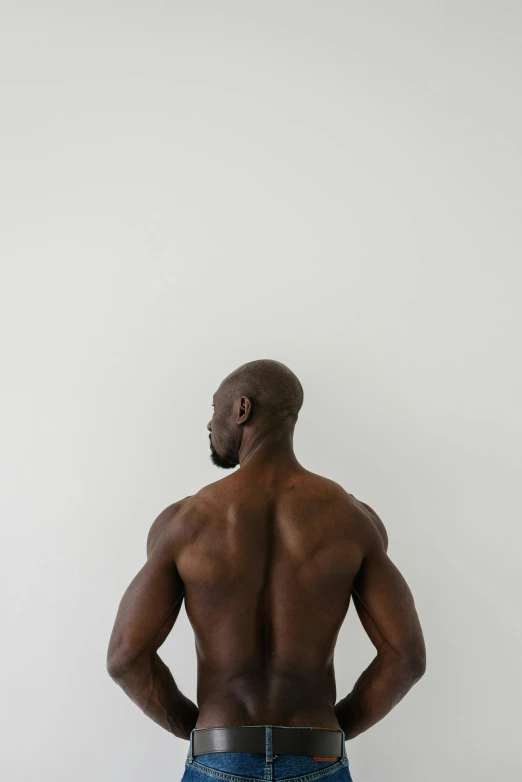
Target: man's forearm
{"type": "Point", "coordinates": [379, 688]}
{"type": "Point", "coordinates": [150, 684]}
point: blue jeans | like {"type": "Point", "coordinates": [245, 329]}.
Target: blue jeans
{"type": "Point", "coordinates": [248, 766]}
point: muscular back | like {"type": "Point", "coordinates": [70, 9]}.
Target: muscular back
{"type": "Point", "coordinates": [268, 564]}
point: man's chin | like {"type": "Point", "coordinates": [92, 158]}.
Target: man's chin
{"type": "Point", "coordinates": [219, 462]}
{"type": "Point", "coordinates": [223, 465]}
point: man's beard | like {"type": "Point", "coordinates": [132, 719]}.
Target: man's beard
{"type": "Point", "coordinates": [216, 458]}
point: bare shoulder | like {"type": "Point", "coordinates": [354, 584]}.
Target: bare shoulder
{"type": "Point", "coordinates": [163, 522]}
{"type": "Point", "coordinates": [216, 489]}
{"type": "Point", "coordinates": [369, 513]}
{"type": "Point", "coordinates": [360, 512]}
{"type": "Point", "coordinates": [326, 486]}
{"type": "Point", "coordinates": [185, 514]}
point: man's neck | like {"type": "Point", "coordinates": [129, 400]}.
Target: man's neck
{"type": "Point", "coordinates": [268, 447]}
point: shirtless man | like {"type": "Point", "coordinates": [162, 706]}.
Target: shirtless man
{"type": "Point", "coordinates": [266, 560]}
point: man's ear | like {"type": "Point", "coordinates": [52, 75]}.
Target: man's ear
{"type": "Point", "coordinates": [244, 410]}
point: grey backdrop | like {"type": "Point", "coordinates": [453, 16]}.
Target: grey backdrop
{"type": "Point", "coordinates": [187, 186]}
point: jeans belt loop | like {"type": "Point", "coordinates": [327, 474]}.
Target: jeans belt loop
{"type": "Point", "coordinates": [344, 757]}
{"type": "Point", "coordinates": [191, 747]}
{"type": "Point", "coordinates": [269, 745]}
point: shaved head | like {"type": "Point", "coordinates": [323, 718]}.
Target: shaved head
{"type": "Point", "coordinates": [272, 387]}
{"type": "Point", "coordinates": [264, 394]}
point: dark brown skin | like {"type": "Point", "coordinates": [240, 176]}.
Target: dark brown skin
{"type": "Point", "coordinates": [266, 561]}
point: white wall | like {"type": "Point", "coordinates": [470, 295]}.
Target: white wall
{"type": "Point", "coordinates": [187, 186]}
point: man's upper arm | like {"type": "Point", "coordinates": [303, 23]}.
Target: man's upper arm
{"type": "Point", "coordinates": [384, 600]}
{"type": "Point", "coordinates": [151, 602]}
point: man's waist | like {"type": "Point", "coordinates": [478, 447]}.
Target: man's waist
{"type": "Point", "coordinates": [324, 743]}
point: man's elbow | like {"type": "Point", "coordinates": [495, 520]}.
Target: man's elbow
{"type": "Point", "coordinates": [415, 663]}
{"type": "Point", "coordinates": [116, 667]}
{"type": "Point", "coordinates": [121, 663]}
{"type": "Point", "coordinates": [417, 667]}
{"type": "Point", "coordinates": [412, 663]}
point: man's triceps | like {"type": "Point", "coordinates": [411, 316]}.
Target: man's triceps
{"type": "Point", "coordinates": [388, 600]}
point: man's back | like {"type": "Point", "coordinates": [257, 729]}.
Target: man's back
{"type": "Point", "coordinates": [268, 561]}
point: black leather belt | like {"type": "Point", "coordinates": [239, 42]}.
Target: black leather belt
{"type": "Point", "coordinates": [285, 741]}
